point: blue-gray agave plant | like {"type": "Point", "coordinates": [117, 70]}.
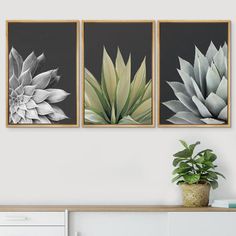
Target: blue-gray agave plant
{"type": "Point", "coordinates": [117, 100]}
{"type": "Point", "coordinates": [32, 97]}
{"type": "Point", "coordinates": [202, 96]}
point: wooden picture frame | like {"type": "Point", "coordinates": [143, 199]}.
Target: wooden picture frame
{"type": "Point", "coordinates": [162, 61]}
{"type": "Point", "coordinates": [115, 23]}
{"type": "Point", "coordinates": [73, 27]}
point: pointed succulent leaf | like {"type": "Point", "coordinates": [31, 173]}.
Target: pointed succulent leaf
{"type": "Point", "coordinates": [32, 114]}
{"type": "Point", "coordinates": [15, 118]}
{"type": "Point", "coordinates": [143, 108]}
{"type": "Point", "coordinates": [178, 87]}
{"type": "Point", "coordinates": [31, 104]}
{"type": "Point", "coordinates": [175, 106]}
{"type": "Point", "coordinates": [58, 114]}
{"type": "Point", "coordinates": [219, 61]}
{"type": "Point", "coordinates": [201, 108]}
{"type": "Point", "coordinates": [138, 84]}
{"type": "Point", "coordinates": [19, 90]}
{"type": "Point", "coordinates": [215, 104]}
{"type": "Point", "coordinates": [40, 95]}
{"type": "Point", "coordinates": [177, 121]}
{"type": "Point", "coordinates": [212, 121]}
{"type": "Point", "coordinates": [197, 91]}
{"type": "Point", "coordinates": [25, 78]}
{"type": "Point", "coordinates": [212, 81]}
{"type": "Point", "coordinates": [16, 62]}
{"type": "Point", "coordinates": [42, 120]}
{"type": "Point", "coordinates": [222, 90]}
{"type": "Point", "coordinates": [223, 114]}
{"type": "Point", "coordinates": [92, 100]}
{"type": "Point", "coordinates": [29, 90]}
{"type": "Point", "coordinates": [93, 82]}
{"type": "Point", "coordinates": [92, 117]}
{"type": "Point", "coordinates": [128, 120]}
{"type": "Point", "coordinates": [42, 80]}
{"type": "Point", "coordinates": [225, 49]}
{"type": "Point", "coordinates": [109, 76]}
{"type": "Point", "coordinates": [56, 95]}
{"type": "Point", "coordinates": [44, 108]}
{"type": "Point", "coordinates": [187, 102]}
{"type": "Point", "coordinates": [26, 121]}
{"type": "Point", "coordinates": [186, 67]}
{"type": "Point", "coordinates": [21, 113]}
{"type": "Point", "coordinates": [13, 83]}
{"type": "Point", "coordinates": [123, 86]}
{"type": "Point", "coordinates": [30, 63]}
{"type": "Point", "coordinates": [120, 64]}
{"type": "Point", "coordinates": [187, 82]}
{"type": "Point", "coordinates": [148, 91]}
{"type": "Point", "coordinates": [189, 117]}
{"type": "Point", "coordinates": [200, 69]}
{"type": "Point", "coordinates": [91, 79]}
{"type": "Point", "coordinates": [211, 52]}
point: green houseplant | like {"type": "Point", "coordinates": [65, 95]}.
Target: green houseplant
{"type": "Point", "coordinates": [195, 173]}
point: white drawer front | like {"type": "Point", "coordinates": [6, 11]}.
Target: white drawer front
{"type": "Point", "coordinates": [202, 223]}
{"type": "Point", "coordinates": [31, 231]}
{"type": "Point", "coordinates": [32, 218]}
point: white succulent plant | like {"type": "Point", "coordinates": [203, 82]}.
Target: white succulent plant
{"type": "Point", "coordinates": [202, 96]}
{"type": "Point", "coordinates": [118, 100]}
{"type": "Point", "coordinates": [32, 97]}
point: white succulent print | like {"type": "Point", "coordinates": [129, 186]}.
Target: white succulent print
{"type": "Point", "coordinates": [31, 95]}
{"type": "Point", "coordinates": [202, 96]}
{"type": "Point", "coordinates": [118, 100]}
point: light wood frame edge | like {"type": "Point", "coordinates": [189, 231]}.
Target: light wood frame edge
{"type": "Point", "coordinates": [153, 125]}
{"type": "Point", "coordinates": [77, 124]}
{"type": "Point", "coordinates": [228, 125]}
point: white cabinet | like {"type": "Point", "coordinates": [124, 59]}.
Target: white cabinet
{"type": "Point", "coordinates": [31, 231]}
{"type": "Point", "coordinates": [202, 223]}
{"type": "Point", "coordinates": [33, 223]}
{"type": "Point", "coordinates": [118, 224]}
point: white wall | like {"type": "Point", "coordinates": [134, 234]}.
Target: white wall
{"type": "Point", "coordinates": [105, 166]}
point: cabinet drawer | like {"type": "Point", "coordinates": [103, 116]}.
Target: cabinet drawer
{"type": "Point", "coordinates": [31, 231]}
{"type": "Point", "coordinates": [202, 223]}
{"type": "Point", "coordinates": [32, 218]}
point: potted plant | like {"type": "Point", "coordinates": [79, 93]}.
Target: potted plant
{"type": "Point", "coordinates": [195, 173]}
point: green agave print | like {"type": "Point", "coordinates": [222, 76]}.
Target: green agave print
{"type": "Point", "coordinates": [118, 99]}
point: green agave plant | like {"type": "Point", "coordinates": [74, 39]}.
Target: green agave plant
{"type": "Point", "coordinates": [118, 100]}
{"type": "Point", "coordinates": [32, 97]}
{"type": "Point", "coordinates": [202, 97]}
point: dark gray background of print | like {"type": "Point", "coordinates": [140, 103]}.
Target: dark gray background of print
{"type": "Point", "coordinates": [134, 38]}
{"type": "Point", "coordinates": [58, 42]}
{"type": "Point", "coordinates": [179, 40]}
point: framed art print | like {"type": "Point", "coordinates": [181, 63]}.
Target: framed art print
{"type": "Point", "coordinates": [118, 75]}
{"type": "Point", "coordinates": [42, 74]}
{"type": "Point", "coordinates": [194, 74]}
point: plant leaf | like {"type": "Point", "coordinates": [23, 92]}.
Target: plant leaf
{"type": "Point", "coordinates": [57, 115]}
{"type": "Point", "coordinates": [192, 178]}
{"type": "Point", "coordinates": [56, 95]}
{"type": "Point", "coordinates": [215, 104]}
{"type": "Point", "coordinates": [42, 80]}
{"type": "Point", "coordinates": [93, 117]}
{"type": "Point", "coordinates": [138, 84]}
{"type": "Point", "coordinates": [30, 63]}
{"type": "Point", "coordinates": [143, 108]}
{"type": "Point", "coordinates": [25, 78]}
{"type": "Point", "coordinates": [123, 86]}
{"type": "Point", "coordinates": [44, 108]}
{"type": "Point", "coordinates": [109, 76]}
{"type": "Point", "coordinates": [127, 120]}
{"type": "Point", "coordinates": [40, 95]}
